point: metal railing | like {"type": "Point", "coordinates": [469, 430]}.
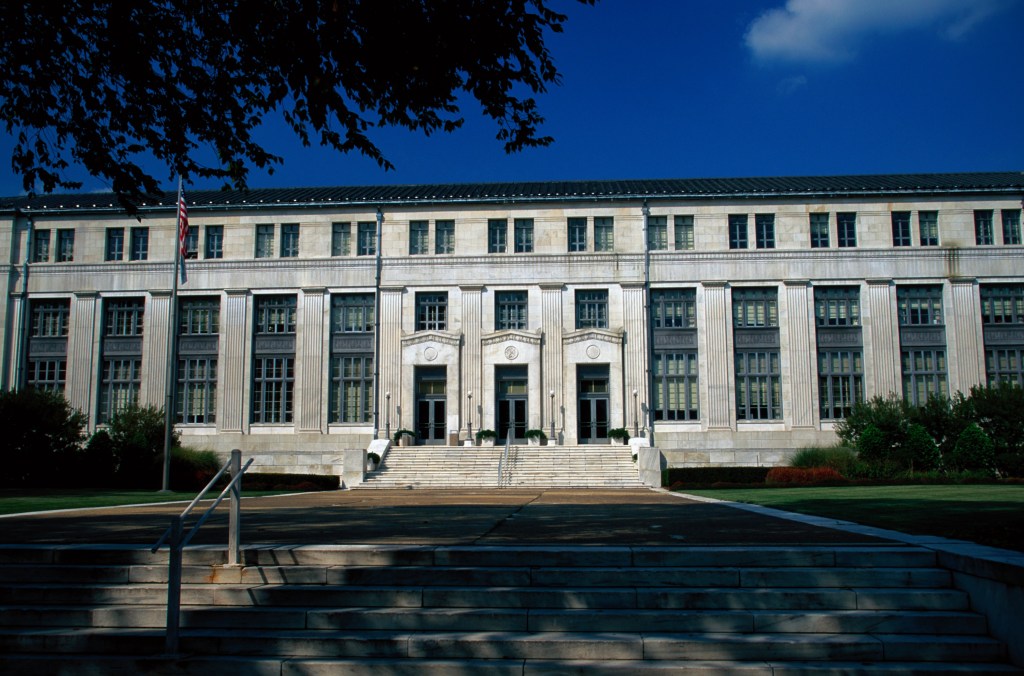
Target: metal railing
{"type": "Point", "coordinates": [504, 458]}
{"type": "Point", "coordinates": [176, 540]}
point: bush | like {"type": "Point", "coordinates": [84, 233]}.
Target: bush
{"type": "Point", "coordinates": [192, 469]}
{"type": "Point", "coordinates": [842, 459]}
{"type": "Point", "coordinates": [137, 433]}
{"type": "Point", "coordinates": [803, 476]}
{"type": "Point", "coordinates": [973, 450]}
{"type": "Point", "coordinates": [1010, 465]}
{"type": "Point", "coordinates": [997, 410]}
{"type": "Point", "coordinates": [97, 462]}
{"type": "Point", "coordinates": [889, 415]}
{"type": "Point", "coordinates": [270, 481]}
{"type": "Point", "coordinates": [919, 452]}
{"type": "Point", "coordinates": [945, 419]}
{"type": "Point", "coordinates": [42, 438]}
{"type": "Point", "coordinates": [706, 476]}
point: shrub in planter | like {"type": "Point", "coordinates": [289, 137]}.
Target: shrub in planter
{"type": "Point", "coordinates": [398, 437]}
{"type": "Point", "coordinates": [618, 434]}
{"type": "Point", "coordinates": [536, 437]}
{"type": "Point", "coordinates": [486, 437]}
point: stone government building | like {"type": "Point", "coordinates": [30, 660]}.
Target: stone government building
{"type": "Point", "coordinates": [741, 318]}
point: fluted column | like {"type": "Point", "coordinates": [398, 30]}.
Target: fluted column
{"type": "Point", "coordinates": [154, 349]}
{"type": "Point", "coordinates": [14, 362]}
{"type": "Point", "coordinates": [309, 357]}
{"type": "Point", "coordinates": [719, 355]}
{"type": "Point", "coordinates": [391, 359]}
{"type": "Point", "coordinates": [635, 356]}
{"type": "Point", "coordinates": [881, 339]}
{"type": "Point", "coordinates": [472, 320]}
{"type": "Point", "coordinates": [965, 339]}
{"type": "Point", "coordinates": [83, 346]}
{"type": "Point", "coordinates": [236, 333]}
{"type": "Point", "coordinates": [551, 318]}
{"type": "Point", "coordinates": [800, 351]}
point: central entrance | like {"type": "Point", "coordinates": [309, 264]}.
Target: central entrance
{"type": "Point", "coordinates": [593, 404]}
{"type": "Point", "coordinates": [431, 404]}
{"type": "Point", "coordinates": [511, 401]}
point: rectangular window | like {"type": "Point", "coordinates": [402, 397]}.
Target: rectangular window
{"type": "Point", "coordinates": [50, 318]}
{"type": "Point", "coordinates": [196, 397]}
{"type": "Point", "coordinates": [139, 244]}
{"type": "Point", "coordinates": [290, 240]}
{"type": "Point", "coordinates": [1002, 304]}
{"type": "Point", "coordinates": [341, 239]}
{"type": "Point", "coordinates": [846, 229]}
{"type": "Point", "coordinates": [840, 382]}
{"type": "Point", "coordinates": [755, 308]}
{"type": "Point", "coordinates": [592, 309]}
{"type": "Point", "coordinates": [65, 246]}
{"type": "Point", "coordinates": [115, 244]}
{"type": "Point", "coordinates": [983, 234]}
{"type": "Point", "coordinates": [192, 243]}
{"type": "Point", "coordinates": [657, 233]}
{"type": "Point", "coordinates": [264, 241]}
{"type": "Point", "coordinates": [419, 238]}
{"type": "Point", "coordinates": [1011, 226]}
{"type": "Point", "coordinates": [41, 246]}
{"type": "Point", "coordinates": [928, 226]}
{"type": "Point", "coordinates": [1005, 365]}
{"type": "Point", "coordinates": [674, 308]}
{"type": "Point", "coordinates": [124, 317]}
{"type": "Point", "coordinates": [273, 389]}
{"type": "Point", "coordinates": [604, 233]}
{"type": "Point", "coordinates": [366, 244]}
{"type": "Point", "coordinates": [275, 315]}
{"type": "Point", "coordinates": [901, 228]}
{"type": "Point", "coordinates": [684, 232]}
{"type": "Point", "coordinates": [444, 237]}
{"type": "Point", "coordinates": [510, 310]}
{"type": "Point", "coordinates": [351, 389]}
{"type": "Point", "coordinates": [214, 246]}
{"type": "Point", "coordinates": [577, 234]}
{"type": "Point", "coordinates": [676, 386]}
{"type": "Point", "coordinates": [432, 311]}
{"type": "Point", "coordinates": [764, 227]}
{"type": "Point", "coordinates": [49, 375]}
{"type": "Point", "coordinates": [819, 231]}
{"type": "Point", "coordinates": [737, 231]}
{"type": "Point", "coordinates": [758, 386]}
{"type": "Point", "coordinates": [837, 306]}
{"type": "Point", "coordinates": [199, 317]}
{"type": "Point", "coordinates": [919, 305]}
{"type": "Point", "coordinates": [924, 375]}
{"type": "Point", "coordinates": [352, 313]}
{"type": "Point", "coordinates": [119, 386]}
{"type": "Point", "coordinates": [523, 235]}
{"type": "Point", "coordinates": [497, 235]}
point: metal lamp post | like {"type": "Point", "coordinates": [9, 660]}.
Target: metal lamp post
{"type": "Point", "coordinates": [469, 422]}
{"type": "Point", "coordinates": [552, 416]}
{"type": "Point", "coordinates": [636, 414]}
{"type": "Point", "coordinates": [387, 414]}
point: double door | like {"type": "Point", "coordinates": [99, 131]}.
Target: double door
{"type": "Point", "coordinates": [431, 404]}
{"type": "Point", "coordinates": [592, 404]}
{"type": "Point", "coordinates": [512, 402]}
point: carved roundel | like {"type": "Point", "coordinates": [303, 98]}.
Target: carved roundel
{"type": "Point", "coordinates": [593, 351]}
{"type": "Point", "coordinates": [430, 354]}
{"type": "Point", "coordinates": [511, 352]}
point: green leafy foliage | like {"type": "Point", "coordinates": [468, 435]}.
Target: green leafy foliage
{"type": "Point", "coordinates": [919, 451]}
{"type": "Point", "coordinates": [803, 476]}
{"type": "Point", "coordinates": [42, 438]}
{"type": "Point", "coordinates": [137, 434]}
{"type": "Point", "coordinates": [839, 457]}
{"type": "Point", "coordinates": [973, 450]}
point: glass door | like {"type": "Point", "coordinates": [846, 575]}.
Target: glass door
{"type": "Point", "coordinates": [511, 402]}
{"type": "Point", "coordinates": [593, 404]}
{"type": "Point", "coordinates": [431, 404]}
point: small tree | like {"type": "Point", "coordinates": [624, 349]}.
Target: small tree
{"type": "Point", "coordinates": [973, 451]}
{"type": "Point", "coordinates": [920, 452]}
{"type": "Point", "coordinates": [137, 434]}
{"type": "Point", "coordinates": [42, 435]}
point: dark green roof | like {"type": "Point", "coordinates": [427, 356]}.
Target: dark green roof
{"type": "Point", "coordinates": [652, 190]}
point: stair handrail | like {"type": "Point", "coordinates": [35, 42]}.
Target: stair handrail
{"type": "Point", "coordinates": [176, 543]}
{"type": "Point", "coordinates": [504, 456]}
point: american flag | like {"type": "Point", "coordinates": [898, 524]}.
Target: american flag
{"type": "Point", "coordinates": [182, 232]}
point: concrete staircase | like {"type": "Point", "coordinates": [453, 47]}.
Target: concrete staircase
{"type": "Point", "coordinates": [404, 609]}
{"type": "Point", "coordinates": [603, 466]}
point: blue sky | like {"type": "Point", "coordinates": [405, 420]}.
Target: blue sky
{"type": "Point", "coordinates": [677, 88]}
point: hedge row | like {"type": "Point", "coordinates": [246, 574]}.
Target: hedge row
{"type": "Point", "coordinates": [709, 476]}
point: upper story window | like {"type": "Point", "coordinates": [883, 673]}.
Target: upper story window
{"type": "Point", "coordinates": [657, 233]}
{"type": "Point", "coordinates": [1011, 226]}
{"type": "Point", "coordinates": [983, 234]}
{"type": "Point", "coordinates": [444, 237]}
{"type": "Point", "coordinates": [592, 309]}
{"type": "Point", "coordinates": [510, 310]}
{"type": "Point", "coordinates": [275, 314]}
{"type": "Point", "coordinates": [755, 308]}
{"type": "Point", "coordinates": [928, 227]}
{"type": "Point", "coordinates": [674, 308]}
{"type": "Point", "coordinates": [214, 247]}
{"type": "Point", "coordinates": [366, 242]}
{"type": "Point", "coordinates": [764, 228]}
{"type": "Point", "coordinates": [523, 235]}
{"type": "Point", "coordinates": [124, 317]}
{"type": "Point", "coordinates": [418, 238]}
{"type": "Point", "coordinates": [50, 318]}
{"type": "Point", "coordinates": [1002, 304]}
{"type": "Point", "coordinates": [115, 245]}
{"type": "Point", "coordinates": [901, 228]}
{"type": "Point", "coordinates": [341, 239]}
{"type": "Point", "coordinates": [846, 229]}
{"type": "Point", "coordinates": [737, 231]}
{"type": "Point", "coordinates": [290, 240]}
{"type": "Point", "coordinates": [65, 252]}
{"type": "Point", "coordinates": [604, 233]}
{"type": "Point", "coordinates": [41, 246]}
{"type": "Point", "coordinates": [819, 231]}
{"type": "Point", "coordinates": [684, 232]}
{"type": "Point", "coordinates": [264, 241]}
{"type": "Point", "coordinates": [497, 235]}
{"type": "Point", "coordinates": [192, 243]}
{"type": "Point", "coordinates": [139, 245]}
{"type": "Point", "coordinates": [352, 313]}
{"type": "Point", "coordinates": [837, 306]}
{"type": "Point", "coordinates": [577, 234]}
{"type": "Point", "coordinates": [199, 316]}
{"type": "Point", "coordinates": [919, 305]}
{"type": "Point", "coordinates": [432, 311]}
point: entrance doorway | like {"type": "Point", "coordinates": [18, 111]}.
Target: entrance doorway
{"type": "Point", "coordinates": [592, 411]}
{"type": "Point", "coordinates": [511, 401]}
{"type": "Point", "coordinates": [431, 404]}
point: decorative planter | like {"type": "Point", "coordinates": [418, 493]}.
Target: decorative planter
{"type": "Point", "coordinates": [488, 441]}
{"type": "Point", "coordinates": [534, 441]}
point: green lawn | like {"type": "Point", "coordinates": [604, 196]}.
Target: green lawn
{"type": "Point", "coordinates": [16, 501]}
{"type": "Point", "coordinates": [986, 514]}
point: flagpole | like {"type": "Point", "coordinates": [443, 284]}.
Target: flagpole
{"type": "Point", "coordinates": [170, 380]}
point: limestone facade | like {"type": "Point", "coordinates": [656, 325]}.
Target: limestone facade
{"type": "Point", "coordinates": [757, 313]}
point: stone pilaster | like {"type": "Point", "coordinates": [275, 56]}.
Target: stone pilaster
{"type": "Point", "coordinates": [965, 342]}
{"type": "Point", "coordinates": [391, 360]}
{"type": "Point", "coordinates": [551, 318]}
{"type": "Point", "coordinates": [237, 332]}
{"type": "Point", "coordinates": [881, 339]}
{"type": "Point", "coordinates": [719, 355]}
{"type": "Point", "coordinates": [634, 315]}
{"type": "Point", "coordinates": [801, 352]}
{"type": "Point", "coordinates": [83, 346]}
{"type": "Point", "coordinates": [309, 358]}
{"type": "Point", "coordinates": [18, 346]}
{"type": "Point", "coordinates": [472, 320]}
{"type": "Point", "coordinates": [154, 349]}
